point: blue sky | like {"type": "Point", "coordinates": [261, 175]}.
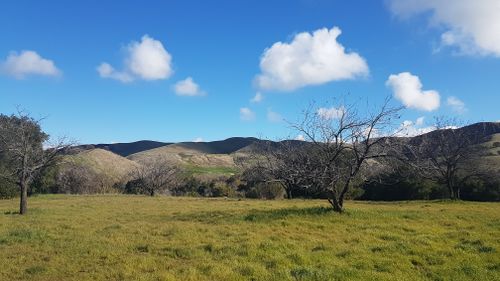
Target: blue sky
{"type": "Point", "coordinates": [50, 52]}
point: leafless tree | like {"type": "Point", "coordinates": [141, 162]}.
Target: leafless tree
{"type": "Point", "coordinates": [22, 146]}
{"type": "Point", "coordinates": [342, 144]}
{"type": "Point", "coordinates": [77, 178]}
{"type": "Point", "coordinates": [284, 162]}
{"type": "Point", "coordinates": [155, 175]}
{"type": "Point", "coordinates": [449, 155]}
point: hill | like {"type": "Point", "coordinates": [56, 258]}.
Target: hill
{"type": "Point", "coordinates": [114, 167]}
{"type": "Point", "coordinates": [193, 157]}
{"type": "Point", "coordinates": [217, 157]}
{"type": "Point", "coordinates": [125, 149]}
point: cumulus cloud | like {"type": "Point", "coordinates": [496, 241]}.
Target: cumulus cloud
{"type": "Point", "coordinates": [300, 138]}
{"type": "Point", "coordinates": [330, 113]}
{"type": "Point", "coordinates": [470, 26]}
{"type": "Point", "coordinates": [409, 128]}
{"type": "Point", "coordinates": [407, 88]}
{"type": "Point", "coordinates": [20, 65]}
{"type": "Point", "coordinates": [456, 104]}
{"type": "Point", "coordinates": [147, 60]}
{"type": "Point", "coordinates": [105, 70]}
{"type": "Point", "coordinates": [310, 59]}
{"type": "Point", "coordinates": [188, 87]}
{"type": "Point", "coordinates": [257, 98]}
{"type": "Point", "coordinates": [273, 116]}
{"type": "Point", "coordinates": [246, 114]}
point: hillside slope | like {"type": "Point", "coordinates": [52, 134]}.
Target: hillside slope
{"type": "Point", "coordinates": [103, 162]}
{"type": "Point", "coordinates": [217, 157]}
{"type": "Point", "coordinates": [125, 149]}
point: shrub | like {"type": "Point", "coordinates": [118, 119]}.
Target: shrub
{"type": "Point", "coordinates": [133, 187]}
{"type": "Point", "coordinates": [7, 190]}
{"type": "Point", "coordinates": [266, 191]}
{"type": "Point", "coordinates": [404, 189]}
{"type": "Point", "coordinates": [481, 190]}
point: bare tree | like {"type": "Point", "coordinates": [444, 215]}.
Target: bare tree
{"type": "Point", "coordinates": [449, 155]}
{"type": "Point", "coordinates": [78, 178]}
{"type": "Point", "coordinates": [22, 146]}
{"type": "Point", "coordinates": [155, 175]}
{"type": "Point", "coordinates": [282, 162]}
{"type": "Point", "coordinates": [342, 143]}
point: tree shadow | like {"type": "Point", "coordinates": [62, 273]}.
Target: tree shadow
{"type": "Point", "coordinates": [256, 216]}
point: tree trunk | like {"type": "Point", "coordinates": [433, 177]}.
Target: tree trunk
{"type": "Point", "coordinates": [289, 193]}
{"type": "Point", "coordinates": [450, 189]}
{"type": "Point", "coordinates": [152, 192]}
{"type": "Point", "coordinates": [23, 206]}
{"type": "Point", "coordinates": [336, 205]}
{"type": "Point", "coordinates": [457, 193]}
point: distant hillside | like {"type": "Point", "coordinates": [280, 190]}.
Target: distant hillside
{"type": "Point", "coordinates": [125, 149]}
{"type": "Point", "coordinates": [226, 146]}
{"type": "Point", "coordinates": [217, 157]}
{"type": "Point", "coordinates": [477, 132]}
{"type": "Point", "coordinates": [193, 157]}
{"type": "Point", "coordinates": [114, 166]}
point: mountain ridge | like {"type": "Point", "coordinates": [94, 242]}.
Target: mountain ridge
{"type": "Point", "coordinates": [479, 130]}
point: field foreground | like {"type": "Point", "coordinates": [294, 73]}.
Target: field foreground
{"type": "Point", "coordinates": [170, 238]}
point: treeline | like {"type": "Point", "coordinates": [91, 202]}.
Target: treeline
{"type": "Point", "coordinates": [346, 156]}
{"type": "Point", "coordinates": [80, 179]}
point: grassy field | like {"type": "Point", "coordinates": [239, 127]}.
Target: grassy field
{"type": "Point", "coordinates": [165, 238]}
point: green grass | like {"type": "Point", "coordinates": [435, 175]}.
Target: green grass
{"type": "Point", "coordinates": [209, 170]}
{"type": "Point", "coordinates": [165, 238]}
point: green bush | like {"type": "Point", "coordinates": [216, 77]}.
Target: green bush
{"type": "Point", "coordinates": [7, 190]}
{"type": "Point", "coordinates": [481, 190]}
{"type": "Point", "coordinates": [221, 189]}
{"type": "Point", "coordinates": [266, 191]}
{"type": "Point", "coordinates": [403, 189]}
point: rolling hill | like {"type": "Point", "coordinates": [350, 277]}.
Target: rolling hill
{"type": "Point", "coordinates": [104, 162]}
{"type": "Point", "coordinates": [217, 158]}
{"type": "Point", "coordinates": [125, 149]}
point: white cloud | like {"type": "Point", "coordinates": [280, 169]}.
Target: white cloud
{"type": "Point", "coordinates": [198, 139]}
{"type": "Point", "coordinates": [246, 114]}
{"type": "Point", "coordinates": [470, 26]}
{"type": "Point", "coordinates": [273, 116]}
{"type": "Point", "coordinates": [407, 88]}
{"type": "Point", "coordinates": [188, 87]}
{"type": "Point", "coordinates": [456, 104]}
{"type": "Point", "coordinates": [410, 129]}
{"type": "Point", "coordinates": [28, 63]}
{"type": "Point", "coordinates": [147, 60]}
{"type": "Point", "coordinates": [107, 71]}
{"type": "Point", "coordinates": [300, 138]}
{"type": "Point", "coordinates": [257, 98]}
{"type": "Point", "coordinates": [310, 59]}
{"type": "Point", "coordinates": [330, 113]}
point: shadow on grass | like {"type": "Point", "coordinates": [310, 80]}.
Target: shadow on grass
{"type": "Point", "coordinates": [257, 216]}
{"type": "Point", "coordinates": [31, 211]}
{"type": "Point", "coordinates": [251, 216]}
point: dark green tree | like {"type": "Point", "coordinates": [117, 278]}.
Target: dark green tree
{"type": "Point", "coordinates": [22, 150]}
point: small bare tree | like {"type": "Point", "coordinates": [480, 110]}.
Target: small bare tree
{"type": "Point", "coordinates": [282, 162]}
{"type": "Point", "coordinates": [155, 175]}
{"type": "Point", "coordinates": [342, 143]}
{"type": "Point", "coordinates": [22, 146]}
{"type": "Point", "coordinates": [449, 155]}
